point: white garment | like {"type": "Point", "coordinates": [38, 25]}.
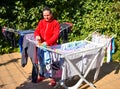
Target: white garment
{"type": "Point", "coordinates": [81, 57]}
{"type": "Point", "coordinates": [82, 63]}
{"type": "Point", "coordinates": [103, 40]}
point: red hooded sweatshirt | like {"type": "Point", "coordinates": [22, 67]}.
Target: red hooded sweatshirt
{"type": "Point", "coordinates": [48, 31]}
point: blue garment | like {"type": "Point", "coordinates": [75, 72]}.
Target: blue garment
{"type": "Point", "coordinates": [113, 45]}
{"type": "Point", "coordinates": [22, 33]}
{"type": "Point", "coordinates": [112, 50]}
{"type": "Point", "coordinates": [20, 42]}
{"type": "Point", "coordinates": [72, 45]}
{"type": "Point", "coordinates": [44, 59]}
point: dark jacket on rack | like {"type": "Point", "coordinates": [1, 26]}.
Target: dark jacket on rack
{"type": "Point", "coordinates": [65, 29]}
{"type": "Point", "coordinates": [10, 37]}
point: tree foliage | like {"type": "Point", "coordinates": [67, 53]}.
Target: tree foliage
{"type": "Point", "coordinates": [86, 16]}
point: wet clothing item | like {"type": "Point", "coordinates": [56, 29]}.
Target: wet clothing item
{"type": "Point", "coordinates": [10, 37]}
{"type": "Point", "coordinates": [22, 33]}
{"type": "Point", "coordinates": [30, 50]}
{"type": "Point", "coordinates": [65, 29]}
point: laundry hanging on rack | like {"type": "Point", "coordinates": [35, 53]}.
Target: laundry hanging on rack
{"type": "Point", "coordinates": [22, 33]}
{"type": "Point", "coordinates": [107, 41]}
{"type": "Point", "coordinates": [9, 35]}
{"type": "Point", "coordinates": [30, 51]}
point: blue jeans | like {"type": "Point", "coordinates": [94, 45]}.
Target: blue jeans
{"type": "Point", "coordinates": [44, 60]}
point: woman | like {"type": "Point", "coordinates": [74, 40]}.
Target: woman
{"type": "Point", "coordinates": [47, 33]}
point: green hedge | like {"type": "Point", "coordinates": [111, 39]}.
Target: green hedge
{"type": "Point", "coordinates": [86, 16]}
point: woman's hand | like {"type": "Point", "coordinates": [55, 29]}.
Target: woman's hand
{"type": "Point", "coordinates": [38, 37]}
{"type": "Point", "coordinates": [44, 44]}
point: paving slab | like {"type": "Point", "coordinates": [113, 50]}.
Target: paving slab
{"type": "Point", "coordinates": [14, 76]}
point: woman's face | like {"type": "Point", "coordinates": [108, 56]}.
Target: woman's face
{"type": "Point", "coordinates": [47, 15]}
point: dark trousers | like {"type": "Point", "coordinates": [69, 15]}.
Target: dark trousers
{"type": "Point", "coordinates": [35, 71]}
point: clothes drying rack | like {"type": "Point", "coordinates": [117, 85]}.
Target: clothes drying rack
{"type": "Point", "coordinates": [75, 54]}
